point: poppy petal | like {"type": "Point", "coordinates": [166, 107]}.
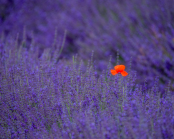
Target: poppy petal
{"type": "Point", "coordinates": [113, 72]}
{"type": "Point", "coordinates": [119, 68]}
{"type": "Point", "coordinates": [124, 73]}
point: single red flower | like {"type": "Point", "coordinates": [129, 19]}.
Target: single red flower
{"type": "Point", "coordinates": [119, 69]}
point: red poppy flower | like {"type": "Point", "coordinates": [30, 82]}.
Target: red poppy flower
{"type": "Point", "coordinates": [119, 69]}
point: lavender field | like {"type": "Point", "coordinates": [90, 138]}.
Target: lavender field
{"type": "Point", "coordinates": [55, 69]}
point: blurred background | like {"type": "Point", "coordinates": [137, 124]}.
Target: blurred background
{"type": "Point", "coordinates": [139, 30]}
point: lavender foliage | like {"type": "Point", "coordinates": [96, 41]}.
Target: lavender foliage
{"type": "Point", "coordinates": [52, 86]}
{"type": "Point", "coordinates": [43, 99]}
